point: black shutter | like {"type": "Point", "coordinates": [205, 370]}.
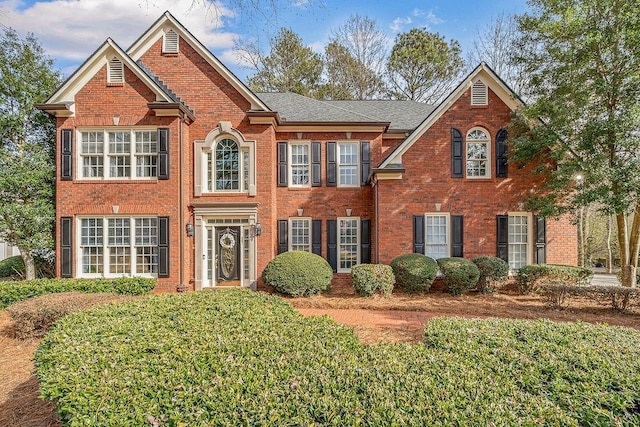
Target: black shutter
{"type": "Point", "coordinates": [457, 236]}
{"type": "Point", "coordinates": [502, 168]}
{"type": "Point", "coordinates": [365, 162]}
{"type": "Point", "coordinates": [365, 241]}
{"type": "Point", "coordinates": [163, 246]}
{"type": "Point", "coordinates": [541, 240]}
{"type": "Point", "coordinates": [316, 236]}
{"type": "Point", "coordinates": [66, 246]}
{"type": "Point", "coordinates": [332, 243]}
{"type": "Point", "coordinates": [457, 170]}
{"type": "Point", "coordinates": [316, 165]}
{"type": "Point", "coordinates": [331, 164]}
{"type": "Point", "coordinates": [283, 236]}
{"type": "Point", "coordinates": [503, 237]}
{"type": "Point", "coordinates": [163, 154]}
{"type": "Point", "coordinates": [418, 234]}
{"type": "Point", "coordinates": [282, 164]}
{"type": "Point", "coordinates": [66, 165]}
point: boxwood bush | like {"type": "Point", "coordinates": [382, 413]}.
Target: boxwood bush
{"type": "Point", "coordinates": [12, 292]}
{"type": "Point", "coordinates": [243, 358]}
{"type": "Point", "coordinates": [414, 272]}
{"type": "Point", "coordinates": [458, 274]}
{"type": "Point", "coordinates": [369, 278]}
{"type": "Point", "coordinates": [494, 272]}
{"type": "Point", "coordinates": [529, 277]}
{"type": "Point", "coordinates": [298, 273]}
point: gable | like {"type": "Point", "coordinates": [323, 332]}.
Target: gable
{"type": "Point", "coordinates": [482, 73]}
{"type": "Point", "coordinates": [167, 24]}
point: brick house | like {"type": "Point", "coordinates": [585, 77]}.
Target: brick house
{"type": "Point", "coordinates": [170, 167]}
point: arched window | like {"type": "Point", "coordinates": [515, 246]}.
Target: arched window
{"type": "Point", "coordinates": [226, 166]}
{"type": "Point", "coordinates": [478, 153]}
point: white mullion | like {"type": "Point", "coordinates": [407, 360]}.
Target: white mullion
{"type": "Point", "coordinates": [132, 244]}
{"type": "Point", "coordinates": [106, 256]}
{"type": "Point", "coordinates": [132, 157]}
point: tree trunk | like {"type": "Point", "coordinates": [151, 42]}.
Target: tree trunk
{"type": "Point", "coordinates": [629, 241]}
{"type": "Point", "coordinates": [609, 250]}
{"type": "Point", "coordinates": [29, 264]}
{"type": "Point", "coordinates": [581, 247]}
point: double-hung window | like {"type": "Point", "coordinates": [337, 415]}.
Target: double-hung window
{"type": "Point", "coordinates": [119, 154]}
{"type": "Point", "coordinates": [348, 243]}
{"type": "Point", "coordinates": [348, 164]}
{"type": "Point", "coordinates": [299, 165]}
{"type": "Point", "coordinates": [478, 154]}
{"type": "Point", "coordinates": [519, 232]}
{"type": "Point", "coordinates": [437, 235]}
{"type": "Point", "coordinates": [119, 246]}
{"type": "Point", "coordinates": [300, 234]}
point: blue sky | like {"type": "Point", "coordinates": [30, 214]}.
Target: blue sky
{"type": "Point", "coordinates": [70, 30]}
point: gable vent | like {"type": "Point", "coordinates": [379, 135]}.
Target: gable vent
{"type": "Point", "coordinates": [479, 93]}
{"type": "Point", "coordinates": [170, 44]}
{"type": "Point", "coordinates": [116, 71]}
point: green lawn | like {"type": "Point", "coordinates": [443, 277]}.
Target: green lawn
{"type": "Point", "coordinates": [243, 358]}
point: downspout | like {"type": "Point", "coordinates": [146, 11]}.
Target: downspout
{"type": "Point", "coordinates": [375, 198]}
{"type": "Point", "coordinates": [181, 284]}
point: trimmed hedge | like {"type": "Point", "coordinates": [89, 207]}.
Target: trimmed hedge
{"type": "Point", "coordinates": [369, 278]}
{"type": "Point", "coordinates": [160, 361]}
{"type": "Point", "coordinates": [529, 277]}
{"type": "Point", "coordinates": [298, 273]}
{"type": "Point", "coordinates": [494, 273]}
{"type": "Point", "coordinates": [33, 318]}
{"type": "Point", "coordinates": [458, 274]}
{"type": "Point", "coordinates": [618, 298]}
{"type": "Point", "coordinates": [414, 272]}
{"type": "Point", "coordinates": [12, 292]}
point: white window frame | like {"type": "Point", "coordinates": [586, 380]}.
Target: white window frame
{"type": "Point", "coordinates": [290, 164]}
{"type": "Point", "coordinates": [479, 99]}
{"type": "Point", "coordinates": [106, 155]}
{"type": "Point", "coordinates": [447, 217]}
{"type": "Point", "coordinates": [309, 227]}
{"type": "Point", "coordinates": [340, 165]}
{"type": "Point", "coordinates": [111, 72]}
{"type": "Point", "coordinates": [339, 244]}
{"type": "Point", "coordinates": [106, 246]}
{"type": "Point", "coordinates": [487, 143]}
{"type": "Point", "coordinates": [529, 243]}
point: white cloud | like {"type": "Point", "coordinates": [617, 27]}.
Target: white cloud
{"type": "Point", "coordinates": [398, 24]}
{"type": "Point", "coordinates": [317, 47]}
{"type": "Point", "coordinates": [70, 30]}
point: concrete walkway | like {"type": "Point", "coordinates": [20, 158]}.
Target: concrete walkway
{"type": "Point", "coordinates": [604, 279]}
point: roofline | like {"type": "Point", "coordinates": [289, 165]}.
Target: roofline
{"type": "Point", "coordinates": [443, 106]}
{"type": "Point", "coordinates": [204, 52]}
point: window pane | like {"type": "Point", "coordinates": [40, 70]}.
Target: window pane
{"type": "Point", "coordinates": [227, 167]}
{"type": "Point", "coordinates": [119, 232]}
{"type": "Point", "coordinates": [120, 260]}
{"type": "Point", "coordinates": [301, 235]}
{"type": "Point", "coordinates": [146, 166]}
{"type": "Point", "coordinates": [147, 260]}
{"type": "Point", "coordinates": [92, 261]}
{"type": "Point", "coordinates": [92, 166]}
{"type": "Point", "coordinates": [348, 164]}
{"type": "Point", "coordinates": [119, 166]}
{"type": "Point", "coordinates": [299, 164]}
{"type": "Point", "coordinates": [92, 143]}
{"type": "Point", "coordinates": [91, 245]}
{"type": "Point", "coordinates": [147, 142]}
{"type": "Point", "coordinates": [119, 142]}
{"type": "Point", "coordinates": [436, 242]}
{"type": "Point", "coordinates": [348, 243]}
{"type": "Point", "coordinates": [91, 230]}
{"type": "Point", "coordinates": [518, 241]}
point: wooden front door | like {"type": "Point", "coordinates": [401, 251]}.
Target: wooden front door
{"type": "Point", "coordinates": [228, 245]}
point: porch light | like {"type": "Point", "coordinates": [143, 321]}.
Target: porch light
{"type": "Point", "coordinates": [190, 229]}
{"type": "Point", "coordinates": [258, 229]}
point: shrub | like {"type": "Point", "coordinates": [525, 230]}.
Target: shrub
{"type": "Point", "coordinates": [14, 267]}
{"type": "Point", "coordinates": [12, 292]}
{"type": "Point", "coordinates": [529, 277]}
{"type": "Point", "coordinates": [159, 359]}
{"type": "Point", "coordinates": [34, 317]}
{"type": "Point", "coordinates": [619, 298]}
{"type": "Point", "coordinates": [298, 273]}
{"type": "Point", "coordinates": [493, 272]}
{"type": "Point", "coordinates": [414, 272]}
{"type": "Point", "coordinates": [369, 278]}
{"type": "Point", "coordinates": [458, 274]}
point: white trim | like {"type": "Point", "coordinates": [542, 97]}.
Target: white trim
{"type": "Point", "coordinates": [478, 141]}
{"type": "Point", "coordinates": [447, 216]}
{"type": "Point", "coordinates": [358, 240]}
{"type": "Point", "coordinates": [493, 82]}
{"type": "Point", "coordinates": [105, 246]}
{"type": "Point", "coordinates": [290, 163]}
{"type": "Point", "coordinates": [338, 165]}
{"type": "Point", "coordinates": [530, 242]}
{"type": "Point", "coordinates": [142, 45]}
{"type": "Point", "coordinates": [290, 231]}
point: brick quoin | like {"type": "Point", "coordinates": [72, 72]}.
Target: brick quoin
{"type": "Point", "coordinates": [425, 182]}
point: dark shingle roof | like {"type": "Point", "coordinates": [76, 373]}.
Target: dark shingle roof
{"type": "Point", "coordinates": [171, 94]}
{"type": "Point", "coordinates": [403, 115]}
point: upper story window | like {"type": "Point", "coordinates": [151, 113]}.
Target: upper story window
{"type": "Point", "coordinates": [479, 93]}
{"type": "Point", "coordinates": [118, 154]}
{"type": "Point", "coordinates": [478, 146]}
{"type": "Point", "coordinates": [170, 42]}
{"type": "Point", "coordinates": [299, 165]}
{"type": "Point", "coordinates": [348, 164]}
{"type": "Point", "coordinates": [224, 163]}
{"type": "Point", "coordinates": [115, 71]}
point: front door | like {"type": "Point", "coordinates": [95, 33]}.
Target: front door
{"type": "Point", "coordinates": [228, 256]}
